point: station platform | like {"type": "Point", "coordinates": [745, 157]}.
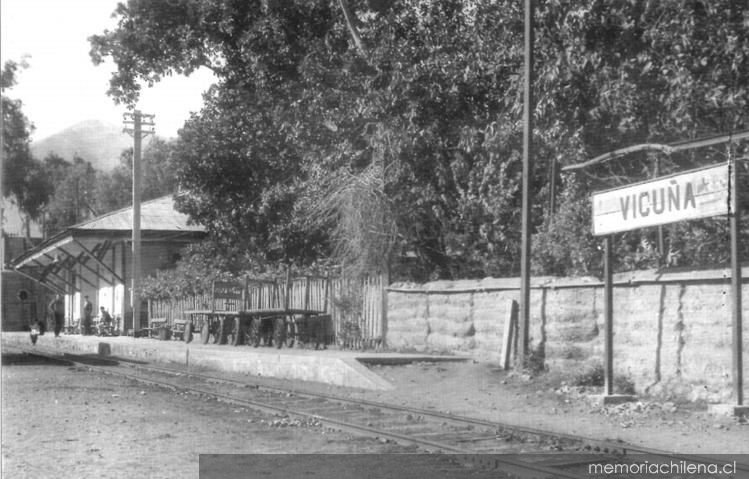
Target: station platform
{"type": "Point", "coordinates": [330, 366]}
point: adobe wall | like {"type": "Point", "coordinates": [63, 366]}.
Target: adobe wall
{"type": "Point", "coordinates": [672, 332]}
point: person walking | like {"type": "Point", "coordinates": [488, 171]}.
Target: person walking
{"type": "Point", "coordinates": [57, 312]}
{"type": "Point", "coordinates": [88, 314]}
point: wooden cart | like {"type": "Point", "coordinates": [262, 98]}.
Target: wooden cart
{"type": "Point", "coordinates": [269, 327]}
{"type": "Point", "coordinates": [236, 317]}
{"type": "Point", "coordinates": [227, 298]}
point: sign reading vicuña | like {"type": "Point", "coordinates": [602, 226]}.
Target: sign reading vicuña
{"type": "Point", "coordinates": [697, 193]}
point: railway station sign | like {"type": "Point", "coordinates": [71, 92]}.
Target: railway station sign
{"type": "Point", "coordinates": [698, 193]}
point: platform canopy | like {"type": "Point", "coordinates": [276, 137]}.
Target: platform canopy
{"type": "Point", "coordinates": [84, 246]}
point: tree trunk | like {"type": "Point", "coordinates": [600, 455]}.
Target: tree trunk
{"type": "Point", "coordinates": [352, 28]}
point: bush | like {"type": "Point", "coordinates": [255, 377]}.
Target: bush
{"type": "Point", "coordinates": [595, 377]}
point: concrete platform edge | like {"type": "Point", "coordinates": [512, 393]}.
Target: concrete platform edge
{"type": "Point", "coordinates": [291, 365]}
{"type": "Point", "coordinates": [378, 383]}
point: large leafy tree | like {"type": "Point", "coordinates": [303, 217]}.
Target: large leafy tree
{"type": "Point", "coordinates": [73, 200]}
{"type": "Point", "coordinates": [297, 103]}
{"type": "Point", "coordinates": [114, 189]}
{"type": "Point", "coordinates": [621, 74]}
{"type": "Point", "coordinates": [240, 158]}
{"type": "Point", "coordinates": [315, 98]}
{"type": "Point", "coordinates": [24, 178]}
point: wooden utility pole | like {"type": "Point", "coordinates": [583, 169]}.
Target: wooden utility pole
{"type": "Point", "coordinates": [525, 256]}
{"type": "Point", "coordinates": [138, 120]}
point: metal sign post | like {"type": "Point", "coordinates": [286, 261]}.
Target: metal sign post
{"type": "Point", "coordinates": [608, 305]}
{"type": "Point", "coordinates": [699, 193]}
{"type": "Point", "coordinates": [723, 192]}
{"type": "Point", "coordinates": [734, 214]}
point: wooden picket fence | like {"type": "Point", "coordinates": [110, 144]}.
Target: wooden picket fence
{"type": "Point", "coordinates": [357, 311]}
{"type": "Point", "coordinates": [356, 305]}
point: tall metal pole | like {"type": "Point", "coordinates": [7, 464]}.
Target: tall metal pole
{"type": "Point", "coordinates": [660, 241]}
{"type": "Point", "coordinates": [608, 306]}
{"type": "Point", "coordinates": [2, 201]}
{"type": "Point", "coordinates": [525, 256]}
{"type": "Point", "coordinates": [553, 188]}
{"type": "Point", "coordinates": [735, 212]}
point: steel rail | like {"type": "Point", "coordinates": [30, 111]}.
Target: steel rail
{"type": "Point", "coordinates": [501, 463]}
{"type": "Point", "coordinates": [590, 445]}
{"type": "Point", "coordinates": [603, 446]}
{"type": "Point", "coordinates": [596, 445]}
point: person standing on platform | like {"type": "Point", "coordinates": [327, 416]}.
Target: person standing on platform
{"type": "Point", "coordinates": [88, 312]}
{"type": "Point", "coordinates": [57, 312]}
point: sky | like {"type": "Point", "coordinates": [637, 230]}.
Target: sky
{"type": "Point", "coordinates": [61, 86]}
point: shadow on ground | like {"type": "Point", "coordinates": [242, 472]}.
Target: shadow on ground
{"type": "Point", "coordinates": [26, 359]}
{"type": "Point", "coordinates": [92, 359]}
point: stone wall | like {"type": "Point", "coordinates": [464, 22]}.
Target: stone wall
{"type": "Point", "coordinates": [672, 332]}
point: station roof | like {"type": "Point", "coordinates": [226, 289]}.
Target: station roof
{"type": "Point", "coordinates": [155, 215]}
{"type": "Point", "coordinates": [85, 244]}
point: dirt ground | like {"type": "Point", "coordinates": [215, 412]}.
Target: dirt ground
{"type": "Point", "coordinates": [58, 421]}
{"type": "Point", "coordinates": [552, 403]}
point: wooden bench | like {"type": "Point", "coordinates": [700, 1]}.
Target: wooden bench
{"type": "Point", "coordinates": [154, 325]}
{"type": "Point", "coordinates": [178, 329]}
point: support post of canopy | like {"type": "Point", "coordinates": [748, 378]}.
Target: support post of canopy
{"type": "Point", "coordinates": [99, 262]}
{"type": "Point", "coordinates": [76, 260]}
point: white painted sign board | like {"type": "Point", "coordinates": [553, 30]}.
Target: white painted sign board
{"type": "Point", "coordinates": [699, 193]}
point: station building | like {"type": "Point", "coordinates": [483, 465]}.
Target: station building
{"type": "Point", "coordinates": [22, 298]}
{"type": "Point", "coordinates": [94, 258]}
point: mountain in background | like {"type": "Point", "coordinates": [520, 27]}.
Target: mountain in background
{"type": "Point", "coordinates": [93, 140]}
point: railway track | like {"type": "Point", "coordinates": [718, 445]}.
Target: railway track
{"type": "Point", "coordinates": [522, 452]}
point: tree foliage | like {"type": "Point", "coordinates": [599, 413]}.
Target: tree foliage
{"type": "Point", "coordinates": [73, 199]}
{"type": "Point", "coordinates": [312, 95]}
{"type": "Point", "coordinates": [201, 264]}
{"type": "Point", "coordinates": [642, 72]}
{"type": "Point", "coordinates": [195, 271]}
{"type": "Point", "coordinates": [114, 189]}
{"type": "Point", "coordinates": [23, 176]}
